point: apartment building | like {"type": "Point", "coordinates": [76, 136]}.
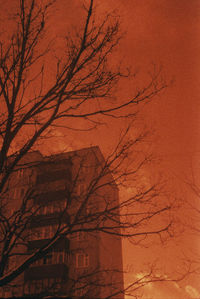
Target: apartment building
{"type": "Point", "coordinates": [72, 198]}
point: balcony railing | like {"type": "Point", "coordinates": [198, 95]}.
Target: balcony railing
{"type": "Point", "coordinates": [49, 219]}
{"type": "Point", "coordinates": [62, 243]}
{"type": "Point", "coordinates": [51, 176]}
{"type": "Point", "coordinates": [48, 196]}
{"type": "Point", "coordinates": [47, 271]}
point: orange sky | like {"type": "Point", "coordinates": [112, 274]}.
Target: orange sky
{"type": "Point", "coordinates": [167, 32]}
{"type": "Point", "coordinates": [162, 32]}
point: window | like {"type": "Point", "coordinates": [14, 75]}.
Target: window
{"type": "Point", "coordinates": [81, 189]}
{"type": "Point", "coordinates": [80, 289]}
{"type": "Point", "coordinates": [37, 234]}
{"type": "Point", "coordinates": [45, 283]}
{"type": "Point", "coordinates": [39, 210]}
{"type": "Point", "coordinates": [47, 259]}
{"type": "Point", "coordinates": [52, 230]}
{"type": "Point", "coordinates": [32, 287]}
{"type": "Point", "coordinates": [37, 263]}
{"type": "Point", "coordinates": [46, 232]}
{"type": "Point", "coordinates": [72, 236]}
{"type": "Point", "coordinates": [26, 288]}
{"type": "Point", "coordinates": [22, 192]}
{"type": "Point", "coordinates": [79, 292]}
{"type": "Point", "coordinates": [91, 209]}
{"type": "Point", "coordinates": [87, 169]}
{"type": "Point", "coordinates": [39, 286]}
{"type": "Point", "coordinates": [51, 282]}
{"type": "Point", "coordinates": [45, 210]}
{"type": "Point", "coordinates": [20, 173]}
{"type": "Point", "coordinates": [66, 257]}
{"type": "Point", "coordinates": [48, 209]}
{"type": "Point", "coordinates": [81, 236]}
{"type": "Point", "coordinates": [82, 260]}
{"type": "Point", "coordinates": [16, 194]}
{"type": "Point", "coordinates": [60, 257]}
{"type": "Point", "coordinates": [29, 178]}
{"type": "Point", "coordinates": [55, 207]}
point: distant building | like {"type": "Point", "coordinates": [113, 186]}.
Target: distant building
{"type": "Point", "coordinates": [71, 192]}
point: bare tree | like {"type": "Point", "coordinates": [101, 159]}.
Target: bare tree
{"type": "Point", "coordinates": [82, 88]}
{"type": "Point", "coordinates": [78, 212]}
{"type": "Point", "coordinates": [190, 203]}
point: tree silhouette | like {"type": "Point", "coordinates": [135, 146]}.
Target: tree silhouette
{"type": "Point", "coordinates": [82, 87]}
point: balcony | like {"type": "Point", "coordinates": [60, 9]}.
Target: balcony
{"type": "Point", "coordinates": [47, 271]}
{"type": "Point", "coordinates": [47, 196]}
{"type": "Point", "coordinates": [50, 176]}
{"type": "Point", "coordinates": [49, 219]}
{"type": "Point", "coordinates": [62, 244]}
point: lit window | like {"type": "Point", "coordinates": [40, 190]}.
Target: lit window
{"type": "Point", "coordinates": [82, 260]}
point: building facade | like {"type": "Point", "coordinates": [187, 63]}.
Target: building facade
{"type": "Point", "coordinates": [71, 213]}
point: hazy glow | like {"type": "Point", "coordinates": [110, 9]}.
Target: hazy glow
{"type": "Point", "coordinates": [192, 292]}
{"type": "Point", "coordinates": [144, 279]}
{"type": "Point", "coordinates": [163, 32]}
